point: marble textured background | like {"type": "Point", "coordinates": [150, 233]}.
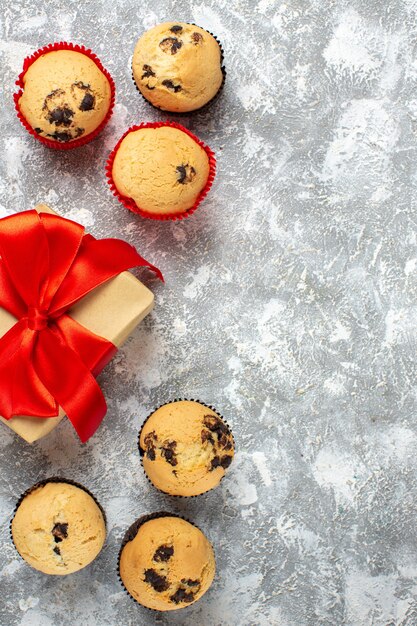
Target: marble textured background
{"type": "Point", "coordinates": [289, 304]}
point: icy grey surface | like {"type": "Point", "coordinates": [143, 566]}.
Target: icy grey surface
{"type": "Point", "coordinates": [289, 304]}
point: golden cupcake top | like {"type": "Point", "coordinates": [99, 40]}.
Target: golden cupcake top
{"type": "Point", "coordinates": [186, 448]}
{"type": "Point", "coordinates": [168, 565]}
{"type": "Point", "coordinates": [163, 170]}
{"type": "Point", "coordinates": [65, 95]}
{"type": "Point", "coordinates": [177, 66]}
{"type": "Point", "coordinates": [58, 528]}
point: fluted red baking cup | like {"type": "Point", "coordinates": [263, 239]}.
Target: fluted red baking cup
{"type": "Point", "coordinates": [207, 104]}
{"type": "Point", "coordinates": [142, 451]}
{"type": "Point", "coordinates": [131, 533]}
{"type": "Point", "coordinates": [131, 204]}
{"type": "Point", "coordinates": [52, 47]}
{"type": "Point", "coordinates": [42, 483]}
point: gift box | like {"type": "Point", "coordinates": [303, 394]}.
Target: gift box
{"type": "Point", "coordinates": [50, 354]}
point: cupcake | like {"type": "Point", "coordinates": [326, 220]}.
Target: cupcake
{"type": "Point", "coordinates": [160, 170]}
{"type": "Point", "coordinates": [166, 563]}
{"type": "Point", "coordinates": [186, 447]}
{"type": "Point", "coordinates": [178, 67]}
{"type": "Point", "coordinates": [66, 96]}
{"type": "Point", "coordinates": [58, 527]}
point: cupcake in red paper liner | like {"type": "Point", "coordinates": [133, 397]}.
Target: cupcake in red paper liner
{"type": "Point", "coordinates": [66, 97]}
{"type": "Point", "coordinates": [160, 170]}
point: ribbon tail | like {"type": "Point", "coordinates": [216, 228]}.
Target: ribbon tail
{"type": "Point", "coordinates": [71, 384]}
{"type": "Point", "coordinates": [21, 390]}
{"type": "Point", "coordinates": [94, 351]}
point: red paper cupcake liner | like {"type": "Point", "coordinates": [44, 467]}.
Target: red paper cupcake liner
{"type": "Point", "coordinates": [142, 452]}
{"type": "Point", "coordinates": [52, 47]}
{"type": "Point", "coordinates": [207, 104]}
{"type": "Point", "coordinates": [131, 533]}
{"type": "Point", "coordinates": [42, 483]}
{"type": "Point", "coordinates": [130, 204]}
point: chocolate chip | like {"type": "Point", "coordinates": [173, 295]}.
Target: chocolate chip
{"type": "Point", "coordinates": [60, 532]}
{"type": "Point", "coordinates": [181, 595]}
{"type": "Point", "coordinates": [228, 445]}
{"type": "Point", "coordinates": [163, 554]}
{"type": "Point", "coordinates": [216, 425]}
{"type": "Point", "coordinates": [158, 582]}
{"type": "Point", "coordinates": [57, 550]}
{"type": "Point", "coordinates": [182, 173]}
{"type": "Point", "coordinates": [211, 422]}
{"type": "Point", "coordinates": [184, 594]}
{"type": "Point", "coordinates": [196, 38]}
{"type": "Point", "coordinates": [61, 116]}
{"type": "Point", "coordinates": [87, 99]}
{"type": "Point", "coordinates": [87, 103]}
{"type": "Point", "coordinates": [207, 436]}
{"type": "Point", "coordinates": [225, 441]}
{"type": "Point", "coordinates": [186, 173]}
{"type": "Point", "coordinates": [170, 85]}
{"type": "Point", "coordinates": [168, 453]}
{"type": "Point", "coordinates": [38, 130]}
{"type": "Point", "coordinates": [190, 583]}
{"type": "Point", "coordinates": [57, 112]}
{"type": "Point", "coordinates": [150, 441]}
{"type": "Point", "coordinates": [147, 71]}
{"type": "Point", "coordinates": [150, 438]}
{"type": "Point", "coordinates": [225, 461]}
{"type": "Point", "coordinates": [52, 96]}
{"type": "Point", "coordinates": [170, 44]}
{"type": "Point", "coordinates": [169, 456]}
{"type": "Point", "coordinates": [176, 29]}
{"type": "Point", "coordinates": [61, 136]}
{"type": "Point", "coordinates": [65, 135]}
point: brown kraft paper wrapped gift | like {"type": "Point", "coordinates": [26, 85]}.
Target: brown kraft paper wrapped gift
{"type": "Point", "coordinates": [112, 311]}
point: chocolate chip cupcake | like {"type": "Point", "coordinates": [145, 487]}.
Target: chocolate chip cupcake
{"type": "Point", "coordinates": [66, 95]}
{"type": "Point", "coordinates": [160, 170]}
{"type": "Point", "coordinates": [166, 563]}
{"type": "Point", "coordinates": [186, 448]}
{"type": "Point", "coordinates": [58, 527]}
{"type": "Point", "coordinates": [178, 67]}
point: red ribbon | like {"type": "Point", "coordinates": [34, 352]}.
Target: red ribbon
{"type": "Point", "coordinates": [47, 359]}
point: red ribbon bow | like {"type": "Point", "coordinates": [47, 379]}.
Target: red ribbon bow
{"type": "Point", "coordinates": [47, 359]}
